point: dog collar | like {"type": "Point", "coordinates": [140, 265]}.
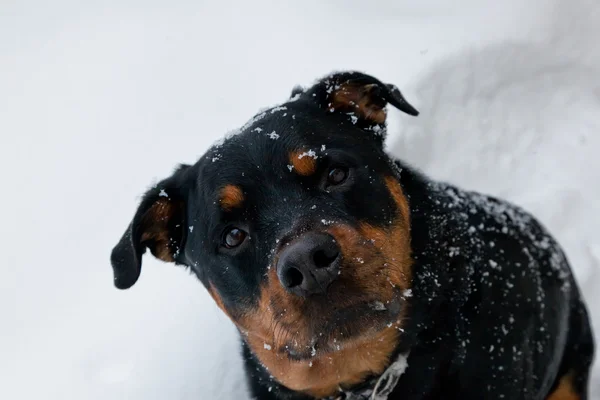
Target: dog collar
{"type": "Point", "coordinates": [378, 388]}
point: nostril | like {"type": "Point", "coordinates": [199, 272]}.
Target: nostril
{"type": "Point", "coordinates": [292, 277]}
{"type": "Point", "coordinates": [324, 258]}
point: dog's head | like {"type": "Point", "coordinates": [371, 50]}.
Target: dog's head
{"type": "Point", "coordinates": [299, 229]}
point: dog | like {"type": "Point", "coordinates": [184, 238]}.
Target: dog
{"type": "Point", "coordinates": [351, 275]}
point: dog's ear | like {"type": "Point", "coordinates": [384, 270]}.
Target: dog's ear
{"type": "Point", "coordinates": [361, 96]}
{"type": "Point", "coordinates": [158, 224]}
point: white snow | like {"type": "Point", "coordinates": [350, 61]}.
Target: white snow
{"type": "Point", "coordinates": [98, 101]}
{"type": "Point", "coordinates": [309, 153]}
{"type": "Point", "coordinates": [390, 377]}
{"type": "Point", "coordinates": [278, 108]}
{"type": "Point", "coordinates": [353, 118]}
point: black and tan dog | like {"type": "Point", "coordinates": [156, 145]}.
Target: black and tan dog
{"type": "Point", "coordinates": [351, 275]}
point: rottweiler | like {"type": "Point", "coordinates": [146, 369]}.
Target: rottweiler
{"type": "Point", "coordinates": [351, 275]}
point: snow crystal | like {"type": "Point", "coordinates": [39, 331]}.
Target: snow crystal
{"type": "Point", "coordinates": [267, 346]}
{"type": "Point", "coordinates": [273, 135]}
{"type": "Point", "coordinates": [378, 130]}
{"type": "Point", "coordinates": [389, 379]}
{"type": "Point", "coordinates": [454, 251]}
{"type": "Point", "coordinates": [309, 153]}
{"type": "Point", "coordinates": [353, 118]}
{"type": "Point", "coordinates": [162, 193]}
{"type": "Point", "coordinates": [278, 108]}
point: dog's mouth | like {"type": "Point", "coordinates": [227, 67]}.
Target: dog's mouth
{"type": "Point", "coordinates": [336, 327]}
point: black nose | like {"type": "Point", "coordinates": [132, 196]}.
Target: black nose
{"type": "Point", "coordinates": [309, 264]}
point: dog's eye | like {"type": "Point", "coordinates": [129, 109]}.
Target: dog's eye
{"type": "Point", "coordinates": [234, 237]}
{"type": "Point", "coordinates": [337, 175]}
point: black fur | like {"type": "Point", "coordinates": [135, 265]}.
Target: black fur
{"type": "Point", "coordinates": [495, 312]}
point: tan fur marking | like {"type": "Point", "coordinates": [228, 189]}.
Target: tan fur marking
{"type": "Point", "coordinates": [155, 229]}
{"type": "Point", "coordinates": [357, 99]}
{"type": "Point", "coordinates": [217, 298]}
{"type": "Point", "coordinates": [394, 241]}
{"type": "Point", "coordinates": [231, 197]}
{"type": "Point", "coordinates": [565, 390]}
{"type": "Point", "coordinates": [303, 164]}
{"type": "Point", "coordinates": [400, 199]}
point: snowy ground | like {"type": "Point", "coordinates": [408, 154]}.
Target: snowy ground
{"type": "Point", "coordinates": [96, 102]}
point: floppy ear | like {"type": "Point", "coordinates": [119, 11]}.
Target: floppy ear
{"type": "Point", "coordinates": [158, 224]}
{"type": "Point", "coordinates": [361, 96]}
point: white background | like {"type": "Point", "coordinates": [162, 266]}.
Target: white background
{"type": "Point", "coordinates": [98, 100]}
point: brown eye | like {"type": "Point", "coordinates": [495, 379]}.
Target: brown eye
{"type": "Point", "coordinates": [337, 175]}
{"type": "Point", "coordinates": [234, 237]}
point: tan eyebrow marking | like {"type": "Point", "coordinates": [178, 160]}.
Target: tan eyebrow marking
{"type": "Point", "coordinates": [304, 162]}
{"type": "Point", "coordinates": [231, 196]}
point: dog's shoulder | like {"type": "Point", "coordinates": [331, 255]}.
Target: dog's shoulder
{"type": "Point", "coordinates": [483, 249]}
{"type": "Point", "coordinates": [498, 240]}
{"type": "Point", "coordinates": [495, 272]}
